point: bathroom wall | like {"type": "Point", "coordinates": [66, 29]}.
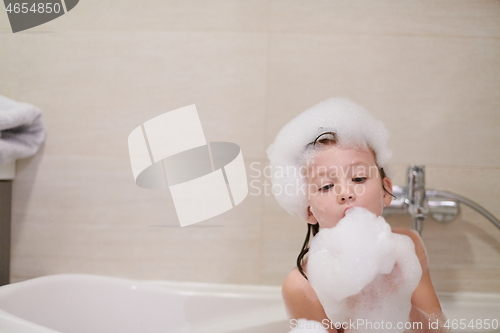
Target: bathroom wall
{"type": "Point", "coordinates": [429, 69]}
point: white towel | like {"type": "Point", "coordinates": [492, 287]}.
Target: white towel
{"type": "Point", "coordinates": [21, 130]}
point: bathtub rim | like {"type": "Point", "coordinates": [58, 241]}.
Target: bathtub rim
{"type": "Point", "coordinates": [188, 288]}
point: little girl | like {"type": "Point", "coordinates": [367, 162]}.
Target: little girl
{"type": "Point", "coordinates": [328, 160]}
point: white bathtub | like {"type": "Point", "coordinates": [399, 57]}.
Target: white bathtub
{"type": "Point", "coordinates": [96, 304]}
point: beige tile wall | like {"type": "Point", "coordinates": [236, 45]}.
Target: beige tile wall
{"type": "Point", "coordinates": [429, 69]}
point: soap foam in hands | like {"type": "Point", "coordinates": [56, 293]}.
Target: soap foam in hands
{"type": "Point", "coordinates": [361, 270]}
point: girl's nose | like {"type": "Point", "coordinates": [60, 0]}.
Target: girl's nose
{"type": "Point", "coordinates": [346, 194]}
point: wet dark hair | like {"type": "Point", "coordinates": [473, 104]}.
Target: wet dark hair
{"type": "Point", "coordinates": [314, 228]}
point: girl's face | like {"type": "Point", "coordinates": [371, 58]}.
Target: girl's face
{"type": "Point", "coordinates": [339, 179]}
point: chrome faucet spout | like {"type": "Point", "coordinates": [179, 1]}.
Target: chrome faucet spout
{"type": "Point", "coordinates": [415, 199]}
{"type": "Point", "coordinates": [418, 223]}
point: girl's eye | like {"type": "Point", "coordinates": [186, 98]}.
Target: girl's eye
{"type": "Point", "coordinates": [359, 179]}
{"type": "Point", "coordinates": [326, 187]}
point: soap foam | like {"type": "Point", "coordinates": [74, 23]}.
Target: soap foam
{"type": "Point", "coordinates": [353, 126]}
{"type": "Point", "coordinates": [360, 270]}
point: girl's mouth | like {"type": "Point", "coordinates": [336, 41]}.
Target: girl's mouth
{"type": "Point", "coordinates": [345, 211]}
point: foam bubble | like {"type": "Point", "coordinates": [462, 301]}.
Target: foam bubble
{"type": "Point", "coordinates": [361, 270]}
{"type": "Point", "coordinates": [354, 127]}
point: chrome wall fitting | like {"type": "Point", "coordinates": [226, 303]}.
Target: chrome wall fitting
{"type": "Point", "coordinates": [442, 206]}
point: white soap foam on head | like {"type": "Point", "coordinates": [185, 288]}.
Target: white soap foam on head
{"type": "Point", "coordinates": [361, 271]}
{"type": "Point", "coordinates": [353, 127]}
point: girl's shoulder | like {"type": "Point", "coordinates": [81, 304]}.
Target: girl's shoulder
{"type": "Point", "coordinates": [295, 283]}
{"type": "Point", "coordinates": [414, 236]}
{"type": "Point", "coordinates": [419, 245]}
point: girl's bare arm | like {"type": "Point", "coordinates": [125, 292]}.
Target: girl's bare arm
{"type": "Point", "coordinates": [424, 297]}
{"type": "Point", "coordinates": [302, 302]}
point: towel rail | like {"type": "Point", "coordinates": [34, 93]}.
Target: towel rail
{"type": "Point", "coordinates": [5, 230]}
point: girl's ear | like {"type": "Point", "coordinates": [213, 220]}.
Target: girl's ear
{"type": "Point", "coordinates": [388, 186]}
{"type": "Point", "coordinates": [310, 217]}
